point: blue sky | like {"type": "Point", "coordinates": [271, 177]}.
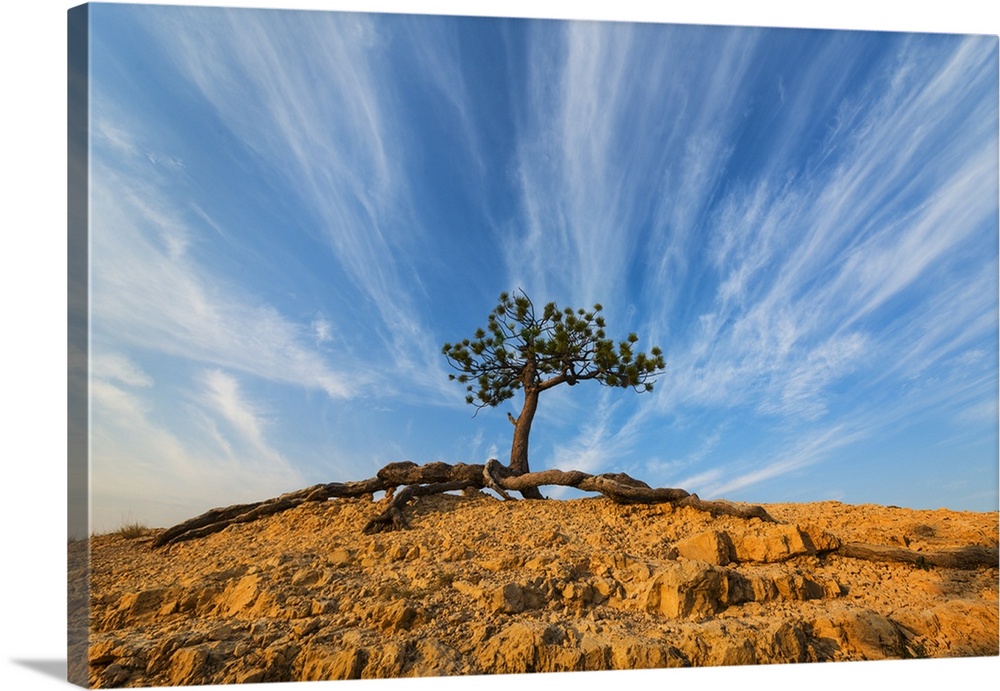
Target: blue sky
{"type": "Point", "coordinates": [292, 211]}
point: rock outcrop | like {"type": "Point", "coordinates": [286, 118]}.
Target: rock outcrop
{"type": "Point", "coordinates": [481, 586]}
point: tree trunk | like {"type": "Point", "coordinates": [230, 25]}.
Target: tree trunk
{"type": "Point", "coordinates": [522, 429]}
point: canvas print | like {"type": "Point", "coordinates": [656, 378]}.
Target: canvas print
{"type": "Point", "coordinates": [438, 346]}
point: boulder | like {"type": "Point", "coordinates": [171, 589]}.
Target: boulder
{"type": "Point", "coordinates": [436, 659]}
{"type": "Point", "coordinates": [514, 650]}
{"type": "Point", "coordinates": [968, 627]}
{"type": "Point", "coordinates": [396, 616]}
{"type": "Point", "coordinates": [321, 663]}
{"type": "Point", "coordinates": [859, 634]}
{"type": "Point", "coordinates": [687, 589]}
{"type": "Point", "coordinates": [769, 542]}
{"type": "Point", "coordinates": [817, 540]}
{"type": "Point", "coordinates": [188, 666]}
{"type": "Point", "coordinates": [508, 599]}
{"type": "Point", "coordinates": [512, 598]}
{"type": "Point", "coordinates": [240, 596]}
{"type": "Point", "coordinates": [713, 546]}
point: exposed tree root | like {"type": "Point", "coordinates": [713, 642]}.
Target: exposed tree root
{"type": "Point", "coordinates": [969, 557]}
{"type": "Point", "coordinates": [216, 519]}
{"type": "Point", "coordinates": [392, 518]}
{"type": "Point", "coordinates": [436, 478]}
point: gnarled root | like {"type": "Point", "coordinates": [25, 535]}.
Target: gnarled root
{"type": "Point", "coordinates": [436, 478]}
{"type": "Point", "coordinates": [392, 518]}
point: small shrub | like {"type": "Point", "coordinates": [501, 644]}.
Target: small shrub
{"type": "Point", "coordinates": [132, 530]}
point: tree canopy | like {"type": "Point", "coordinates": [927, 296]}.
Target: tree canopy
{"type": "Point", "coordinates": [559, 346]}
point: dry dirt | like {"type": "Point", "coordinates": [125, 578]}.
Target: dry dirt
{"type": "Point", "coordinates": [482, 586]}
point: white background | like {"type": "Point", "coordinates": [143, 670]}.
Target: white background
{"type": "Point", "coordinates": [32, 345]}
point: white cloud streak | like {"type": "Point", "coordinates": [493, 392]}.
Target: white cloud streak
{"type": "Point", "coordinates": [117, 368]}
{"type": "Point", "coordinates": [812, 449]}
{"type": "Point", "coordinates": [618, 158]}
{"type": "Point", "coordinates": [802, 268]}
{"type": "Point", "coordinates": [310, 98]}
{"type": "Point", "coordinates": [142, 469]}
{"type": "Point", "coordinates": [223, 396]}
{"type": "Point", "coordinates": [569, 184]}
{"type": "Point", "coordinates": [147, 292]}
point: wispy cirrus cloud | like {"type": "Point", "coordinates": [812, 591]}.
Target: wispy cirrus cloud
{"type": "Point", "coordinates": [223, 396]}
{"type": "Point", "coordinates": [803, 268]}
{"type": "Point", "coordinates": [117, 368]}
{"type": "Point", "coordinates": [618, 158]}
{"type": "Point", "coordinates": [600, 440]}
{"type": "Point", "coordinates": [148, 292]}
{"type": "Point", "coordinates": [140, 465]}
{"type": "Point", "coordinates": [316, 102]}
{"type": "Point", "coordinates": [565, 165]}
{"type": "Point", "coordinates": [322, 329]}
{"type": "Point", "coordinates": [742, 473]}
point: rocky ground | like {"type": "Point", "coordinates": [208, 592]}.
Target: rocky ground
{"type": "Point", "coordinates": [482, 586]}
